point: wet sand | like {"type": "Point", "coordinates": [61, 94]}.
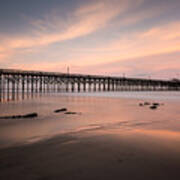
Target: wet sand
{"type": "Point", "coordinates": [94, 154]}
{"type": "Point", "coordinates": [123, 141]}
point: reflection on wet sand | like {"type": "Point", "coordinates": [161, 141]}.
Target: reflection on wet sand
{"type": "Point", "coordinates": [112, 138]}
{"type": "Point", "coordinates": [108, 113]}
{"type": "Point", "coordinates": [165, 140]}
{"type": "Point", "coordinates": [95, 154]}
{"type": "Point", "coordinates": [17, 96]}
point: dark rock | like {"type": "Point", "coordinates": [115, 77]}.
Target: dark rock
{"type": "Point", "coordinates": [19, 116]}
{"type": "Point", "coordinates": [70, 113]}
{"type": "Point", "coordinates": [153, 107]}
{"type": "Point", "coordinates": [5, 117]}
{"type": "Point", "coordinates": [156, 104]}
{"type": "Point", "coordinates": [140, 104]}
{"type": "Point", "coordinates": [31, 115]}
{"type": "Point", "coordinates": [60, 110]}
{"type": "Point", "coordinates": [147, 103]}
{"type": "Point", "coordinates": [16, 117]}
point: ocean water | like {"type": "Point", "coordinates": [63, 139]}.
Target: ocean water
{"type": "Point", "coordinates": [145, 95]}
{"type": "Point", "coordinates": [100, 110]}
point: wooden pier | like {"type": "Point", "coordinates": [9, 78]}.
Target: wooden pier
{"type": "Point", "coordinates": [19, 81]}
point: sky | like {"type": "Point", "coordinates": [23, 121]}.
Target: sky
{"type": "Point", "coordinates": [132, 38]}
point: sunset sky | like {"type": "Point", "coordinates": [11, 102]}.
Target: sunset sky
{"type": "Point", "coordinates": [138, 38]}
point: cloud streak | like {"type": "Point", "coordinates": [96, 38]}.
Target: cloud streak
{"type": "Point", "coordinates": [85, 20]}
{"type": "Point", "coordinates": [154, 41]}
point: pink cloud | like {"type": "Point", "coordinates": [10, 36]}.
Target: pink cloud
{"type": "Point", "coordinates": [85, 20]}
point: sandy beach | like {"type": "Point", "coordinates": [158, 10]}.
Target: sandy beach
{"type": "Point", "coordinates": [119, 142]}
{"type": "Point", "coordinates": [94, 154]}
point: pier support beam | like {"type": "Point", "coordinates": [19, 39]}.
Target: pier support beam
{"type": "Point", "coordinates": [0, 87]}
{"type": "Point", "coordinates": [94, 84]}
{"type": "Point", "coordinates": [40, 84]}
{"type": "Point", "coordinates": [72, 87]}
{"type": "Point", "coordinates": [84, 85]}
{"type": "Point", "coordinates": [104, 85]}
{"type": "Point", "coordinates": [23, 84]}
{"type": "Point", "coordinates": [8, 86]}
{"type": "Point", "coordinates": [32, 84]}
{"type": "Point", "coordinates": [67, 86]}
{"type": "Point", "coordinates": [99, 85]}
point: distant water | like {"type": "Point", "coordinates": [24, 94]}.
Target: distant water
{"type": "Point", "coordinates": [105, 110]}
{"type": "Point", "coordinates": [159, 95]}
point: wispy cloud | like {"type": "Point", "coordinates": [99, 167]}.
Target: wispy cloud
{"type": "Point", "coordinates": [83, 21]}
{"type": "Point", "coordinates": [149, 53]}
{"type": "Point", "coordinates": [156, 40]}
